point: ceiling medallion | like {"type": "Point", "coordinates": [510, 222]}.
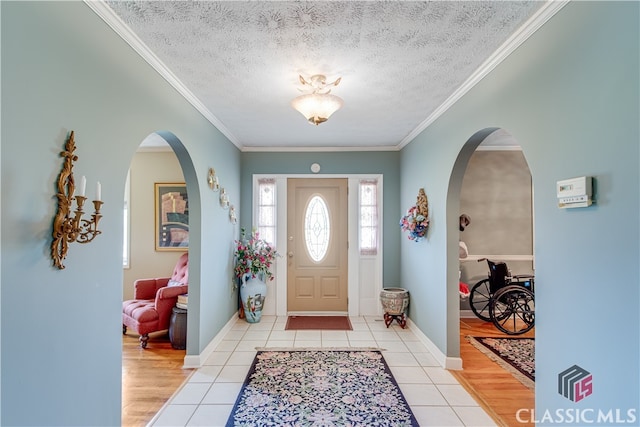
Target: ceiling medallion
{"type": "Point", "coordinates": [317, 105]}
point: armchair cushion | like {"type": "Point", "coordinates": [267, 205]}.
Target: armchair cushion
{"type": "Point", "coordinates": [143, 311]}
{"type": "Point", "coordinates": [174, 283]}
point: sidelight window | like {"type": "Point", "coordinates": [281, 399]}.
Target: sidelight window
{"type": "Point", "coordinates": [369, 217]}
{"type": "Point", "coordinates": [266, 218]}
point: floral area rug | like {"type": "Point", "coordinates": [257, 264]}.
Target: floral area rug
{"type": "Point", "coordinates": [516, 355]}
{"type": "Point", "coordinates": [320, 388]}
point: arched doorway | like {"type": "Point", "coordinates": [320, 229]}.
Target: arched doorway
{"type": "Point", "coordinates": [161, 158]}
{"type": "Point", "coordinates": [491, 183]}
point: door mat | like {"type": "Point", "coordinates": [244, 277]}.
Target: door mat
{"type": "Point", "coordinates": [321, 323]}
{"type": "Point", "coordinates": [320, 388]}
{"type": "Point", "coordinates": [515, 355]}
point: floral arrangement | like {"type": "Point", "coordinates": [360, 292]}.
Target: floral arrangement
{"type": "Point", "coordinates": [253, 257]}
{"type": "Point", "coordinates": [416, 221]}
{"type": "Point", "coordinates": [463, 289]}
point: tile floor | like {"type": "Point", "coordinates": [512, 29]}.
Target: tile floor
{"type": "Point", "coordinates": [207, 396]}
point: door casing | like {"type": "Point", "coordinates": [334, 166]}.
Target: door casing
{"type": "Point", "coordinates": [363, 298]}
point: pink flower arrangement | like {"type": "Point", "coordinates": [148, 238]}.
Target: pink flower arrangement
{"type": "Point", "coordinates": [253, 257]}
{"type": "Point", "coordinates": [415, 223]}
{"type": "Point", "coordinates": [464, 290]}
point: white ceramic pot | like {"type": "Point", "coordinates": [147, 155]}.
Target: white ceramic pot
{"type": "Point", "coordinates": [394, 300]}
{"type": "Point", "coordinates": [252, 293]}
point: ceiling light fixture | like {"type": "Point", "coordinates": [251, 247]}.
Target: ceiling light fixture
{"type": "Point", "coordinates": [317, 105]}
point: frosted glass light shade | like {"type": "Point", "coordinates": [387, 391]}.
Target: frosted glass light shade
{"type": "Point", "coordinates": [317, 107]}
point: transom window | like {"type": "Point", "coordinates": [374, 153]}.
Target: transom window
{"type": "Point", "coordinates": [317, 228]}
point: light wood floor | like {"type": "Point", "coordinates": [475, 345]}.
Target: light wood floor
{"type": "Point", "coordinates": [497, 391]}
{"type": "Point", "coordinates": [151, 376]}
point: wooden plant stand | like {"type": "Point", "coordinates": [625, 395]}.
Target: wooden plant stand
{"type": "Point", "coordinates": [400, 318]}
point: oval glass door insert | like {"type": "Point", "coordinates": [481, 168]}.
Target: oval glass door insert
{"type": "Point", "coordinates": [317, 228]}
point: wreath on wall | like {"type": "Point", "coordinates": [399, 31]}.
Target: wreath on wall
{"type": "Point", "coordinates": [416, 221]}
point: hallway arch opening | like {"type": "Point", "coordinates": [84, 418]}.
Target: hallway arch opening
{"type": "Point", "coordinates": [491, 184]}
{"type": "Point", "coordinates": [161, 158]}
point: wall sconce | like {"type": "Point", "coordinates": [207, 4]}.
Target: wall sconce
{"type": "Point", "coordinates": [68, 228]}
{"type": "Point", "coordinates": [212, 179]}
{"type": "Point", "coordinates": [232, 214]}
{"type": "Point", "coordinates": [224, 199]}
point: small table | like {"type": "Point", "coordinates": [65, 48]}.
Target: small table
{"type": "Point", "coordinates": [178, 328]}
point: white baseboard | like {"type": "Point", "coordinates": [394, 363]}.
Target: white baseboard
{"type": "Point", "coordinates": [453, 363]}
{"type": "Point", "coordinates": [467, 314]}
{"type": "Point", "coordinates": [196, 361]}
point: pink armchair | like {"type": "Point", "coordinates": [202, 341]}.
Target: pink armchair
{"type": "Point", "coordinates": [154, 299]}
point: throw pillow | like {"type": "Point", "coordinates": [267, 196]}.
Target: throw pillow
{"type": "Point", "coordinates": [174, 283]}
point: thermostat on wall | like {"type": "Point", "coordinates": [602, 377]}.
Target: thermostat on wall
{"type": "Point", "coordinates": [574, 192]}
{"type": "Point", "coordinates": [315, 168]}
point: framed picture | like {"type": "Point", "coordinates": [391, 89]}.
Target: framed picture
{"type": "Point", "coordinates": [172, 217]}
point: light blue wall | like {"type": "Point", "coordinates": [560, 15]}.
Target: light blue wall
{"type": "Point", "coordinates": [570, 97]}
{"type": "Point", "coordinates": [63, 69]}
{"type": "Point", "coordinates": [386, 163]}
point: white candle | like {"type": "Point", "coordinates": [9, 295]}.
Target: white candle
{"type": "Point", "coordinates": [83, 185]}
{"type": "Point", "coordinates": [98, 191]}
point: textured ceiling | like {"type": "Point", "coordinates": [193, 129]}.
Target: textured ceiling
{"type": "Point", "coordinates": [399, 61]}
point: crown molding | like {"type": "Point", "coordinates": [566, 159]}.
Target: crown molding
{"type": "Point", "coordinates": [548, 10]}
{"type": "Point", "coordinates": [166, 149]}
{"type": "Point", "coordinates": [317, 149]}
{"type": "Point", "coordinates": [117, 25]}
{"type": "Point", "coordinates": [498, 148]}
{"type": "Point", "coordinates": [545, 13]}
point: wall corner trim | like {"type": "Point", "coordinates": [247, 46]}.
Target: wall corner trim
{"type": "Point", "coordinates": [454, 363]}
{"type": "Point", "coordinates": [197, 360]}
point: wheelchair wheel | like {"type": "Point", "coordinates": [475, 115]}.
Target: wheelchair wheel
{"type": "Point", "coordinates": [512, 310]}
{"type": "Point", "coordinates": [479, 300]}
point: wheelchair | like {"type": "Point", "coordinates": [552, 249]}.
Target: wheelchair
{"type": "Point", "coordinates": [505, 300]}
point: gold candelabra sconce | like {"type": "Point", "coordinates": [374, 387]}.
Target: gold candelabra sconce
{"type": "Point", "coordinates": [68, 226]}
